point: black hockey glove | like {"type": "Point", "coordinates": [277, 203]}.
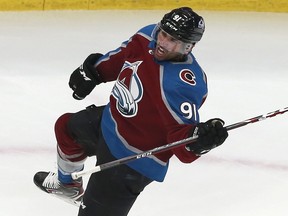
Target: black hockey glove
{"type": "Point", "coordinates": [210, 135]}
{"type": "Point", "coordinates": [84, 79]}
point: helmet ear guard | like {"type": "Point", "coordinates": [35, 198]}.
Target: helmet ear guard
{"type": "Point", "coordinates": [183, 24]}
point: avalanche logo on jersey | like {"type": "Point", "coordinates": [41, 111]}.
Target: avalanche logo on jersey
{"type": "Point", "coordinates": [188, 77]}
{"type": "Point", "coordinates": [128, 91]}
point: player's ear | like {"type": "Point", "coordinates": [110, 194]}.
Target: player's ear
{"type": "Point", "coordinates": [189, 48]}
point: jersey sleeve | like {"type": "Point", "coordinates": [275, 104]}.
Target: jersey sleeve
{"type": "Point", "coordinates": [110, 64]}
{"type": "Point", "coordinates": [184, 92]}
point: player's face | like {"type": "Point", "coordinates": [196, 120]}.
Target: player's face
{"type": "Point", "coordinates": [169, 48]}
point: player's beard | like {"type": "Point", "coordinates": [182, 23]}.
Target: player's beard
{"type": "Point", "coordinates": [162, 54]}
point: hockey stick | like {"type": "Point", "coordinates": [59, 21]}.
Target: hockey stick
{"type": "Point", "coordinates": [172, 145]}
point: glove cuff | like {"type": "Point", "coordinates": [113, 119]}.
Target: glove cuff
{"type": "Point", "coordinates": [89, 65]}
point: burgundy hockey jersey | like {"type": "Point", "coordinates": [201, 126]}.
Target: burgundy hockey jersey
{"type": "Point", "coordinates": [152, 103]}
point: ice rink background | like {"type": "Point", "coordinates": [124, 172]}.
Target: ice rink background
{"type": "Point", "coordinates": [245, 57]}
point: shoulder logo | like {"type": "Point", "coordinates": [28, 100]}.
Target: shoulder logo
{"type": "Point", "coordinates": [188, 77]}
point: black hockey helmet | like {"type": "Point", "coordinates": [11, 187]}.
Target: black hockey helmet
{"type": "Point", "coordinates": [183, 24]}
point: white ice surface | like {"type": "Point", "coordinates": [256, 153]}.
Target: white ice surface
{"type": "Point", "coordinates": [245, 58]}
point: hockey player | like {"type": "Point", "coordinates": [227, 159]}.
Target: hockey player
{"type": "Point", "coordinates": [159, 88]}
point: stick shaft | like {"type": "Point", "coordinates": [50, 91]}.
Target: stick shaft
{"type": "Point", "coordinates": [172, 145]}
{"type": "Point", "coordinates": [257, 118]}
